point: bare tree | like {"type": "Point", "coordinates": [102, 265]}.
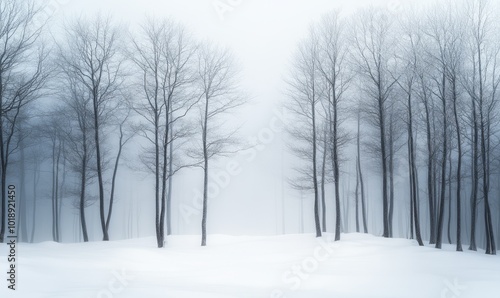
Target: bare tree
{"type": "Point", "coordinates": [125, 134]}
{"type": "Point", "coordinates": [23, 74]}
{"type": "Point", "coordinates": [411, 51]}
{"type": "Point", "coordinates": [165, 57]}
{"type": "Point", "coordinates": [91, 52]}
{"type": "Point", "coordinates": [325, 148]}
{"type": "Point", "coordinates": [52, 131]}
{"type": "Point", "coordinates": [332, 64]}
{"type": "Point", "coordinates": [36, 155]}
{"type": "Point", "coordinates": [217, 78]}
{"type": "Point", "coordinates": [360, 185]}
{"type": "Point", "coordinates": [445, 51]}
{"type": "Point", "coordinates": [78, 135]}
{"type": "Point", "coordinates": [372, 41]}
{"type": "Point", "coordinates": [305, 92]}
{"type": "Point", "coordinates": [482, 84]}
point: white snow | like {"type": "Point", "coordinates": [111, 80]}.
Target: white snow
{"type": "Point", "coordinates": [248, 266]}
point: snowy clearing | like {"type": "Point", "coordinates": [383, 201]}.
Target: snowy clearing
{"type": "Point", "coordinates": [249, 266]}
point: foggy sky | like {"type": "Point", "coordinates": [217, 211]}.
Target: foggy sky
{"type": "Point", "coordinates": [263, 35]}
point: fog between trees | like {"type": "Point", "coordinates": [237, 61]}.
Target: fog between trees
{"type": "Point", "coordinates": [370, 96]}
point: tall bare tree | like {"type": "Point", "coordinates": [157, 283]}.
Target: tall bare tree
{"type": "Point", "coordinates": [482, 84]}
{"type": "Point", "coordinates": [333, 66]}
{"type": "Point", "coordinates": [91, 52]}
{"type": "Point", "coordinates": [78, 135]}
{"type": "Point", "coordinates": [165, 56]}
{"type": "Point", "coordinates": [305, 92]}
{"type": "Point", "coordinates": [408, 80]}
{"type": "Point", "coordinates": [23, 74]}
{"type": "Point", "coordinates": [217, 78]}
{"type": "Point", "coordinates": [373, 42]}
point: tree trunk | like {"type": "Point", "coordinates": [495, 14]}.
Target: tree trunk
{"type": "Point", "coordinates": [430, 168]}
{"type": "Point", "coordinates": [83, 183]}
{"type": "Point", "coordinates": [164, 173]}
{"type": "Point", "coordinates": [450, 175]}
{"type": "Point", "coordinates": [443, 165]}
{"type": "Point", "coordinates": [459, 165]}
{"type": "Point", "coordinates": [23, 235]}
{"type": "Point", "coordinates": [474, 177]}
{"type": "Point", "coordinates": [356, 196]}
{"type": "Point", "coordinates": [36, 179]}
{"type": "Point", "coordinates": [113, 179]}
{"type": "Point", "coordinates": [4, 163]}
{"type": "Point", "coordinates": [323, 178]}
{"type": "Point", "coordinates": [100, 178]}
{"type": "Point", "coordinates": [391, 174]}
{"type": "Point", "coordinates": [159, 240]}
{"type": "Point", "coordinates": [335, 162]}
{"type": "Point", "coordinates": [170, 182]}
{"type": "Point", "coordinates": [383, 155]}
{"type": "Point", "coordinates": [205, 176]}
{"type": "Point", "coordinates": [413, 174]}
{"type": "Point", "coordinates": [314, 164]}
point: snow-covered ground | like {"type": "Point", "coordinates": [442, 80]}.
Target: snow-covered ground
{"type": "Point", "coordinates": [274, 266]}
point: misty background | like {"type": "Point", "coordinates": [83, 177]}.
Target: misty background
{"type": "Point", "coordinates": [250, 191]}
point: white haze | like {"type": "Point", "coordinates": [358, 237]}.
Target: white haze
{"type": "Point", "coordinates": [263, 35]}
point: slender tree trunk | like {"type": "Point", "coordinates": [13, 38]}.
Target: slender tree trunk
{"type": "Point", "coordinates": [164, 177]}
{"type": "Point", "coordinates": [4, 160]}
{"type": "Point", "coordinates": [391, 174]}
{"type": "Point", "coordinates": [356, 196]}
{"type": "Point", "coordinates": [450, 192]}
{"type": "Point", "coordinates": [474, 177]}
{"type": "Point", "coordinates": [54, 191]}
{"type": "Point", "coordinates": [314, 164]}
{"type": "Point", "coordinates": [159, 240]}
{"type": "Point", "coordinates": [335, 162]}
{"type": "Point", "coordinates": [360, 175]}
{"type": "Point", "coordinates": [23, 235]}
{"type": "Point", "coordinates": [323, 178]}
{"type": "Point", "coordinates": [170, 178]}
{"type": "Point", "coordinates": [431, 170]}
{"type": "Point", "coordinates": [83, 183]}
{"type": "Point", "coordinates": [443, 164]}
{"type": "Point", "coordinates": [459, 165]}
{"type": "Point", "coordinates": [36, 179]}
{"type": "Point", "coordinates": [412, 197]}
{"type": "Point", "coordinates": [100, 178]}
{"type": "Point", "coordinates": [205, 175]}
{"type": "Point", "coordinates": [57, 195]}
{"type": "Point", "coordinates": [413, 173]}
{"type": "Point", "coordinates": [490, 242]}
{"type": "Point", "coordinates": [113, 179]}
{"type": "Point", "coordinates": [383, 155]}
{"type": "Point", "coordinates": [416, 213]}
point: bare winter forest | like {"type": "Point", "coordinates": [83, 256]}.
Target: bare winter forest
{"type": "Point", "coordinates": [391, 124]}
